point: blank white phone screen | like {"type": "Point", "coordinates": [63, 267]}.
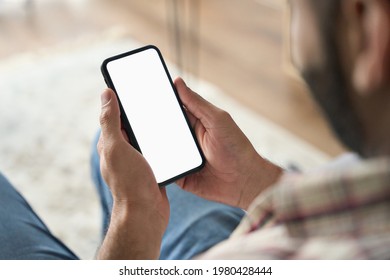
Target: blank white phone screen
{"type": "Point", "coordinates": [154, 114]}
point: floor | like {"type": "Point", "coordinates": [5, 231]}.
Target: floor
{"type": "Point", "coordinates": [237, 45]}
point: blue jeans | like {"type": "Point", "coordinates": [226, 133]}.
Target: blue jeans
{"type": "Point", "coordinates": [195, 224]}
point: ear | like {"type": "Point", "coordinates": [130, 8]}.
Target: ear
{"type": "Point", "coordinates": [371, 69]}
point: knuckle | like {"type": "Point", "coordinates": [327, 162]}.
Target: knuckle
{"type": "Point", "coordinates": [222, 115]}
{"type": "Point", "coordinates": [104, 117]}
{"type": "Point", "coordinates": [114, 152]}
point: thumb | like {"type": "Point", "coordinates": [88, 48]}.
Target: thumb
{"type": "Point", "coordinates": [110, 121]}
{"type": "Point", "coordinates": [195, 104]}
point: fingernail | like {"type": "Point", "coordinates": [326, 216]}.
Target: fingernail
{"type": "Point", "coordinates": [105, 97]}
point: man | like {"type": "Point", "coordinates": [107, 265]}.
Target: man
{"type": "Point", "coordinates": [342, 48]}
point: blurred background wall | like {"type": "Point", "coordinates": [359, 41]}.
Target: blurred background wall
{"type": "Point", "coordinates": [237, 45]}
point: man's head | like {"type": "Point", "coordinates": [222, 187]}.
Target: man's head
{"type": "Point", "coordinates": [342, 48]}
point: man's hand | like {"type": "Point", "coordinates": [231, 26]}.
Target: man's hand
{"type": "Point", "coordinates": [140, 210]}
{"type": "Point", "coordinates": [234, 173]}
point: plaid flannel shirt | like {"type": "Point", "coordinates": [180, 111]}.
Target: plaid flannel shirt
{"type": "Point", "coordinates": [336, 214]}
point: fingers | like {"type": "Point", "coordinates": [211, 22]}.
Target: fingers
{"type": "Point", "coordinates": [195, 104]}
{"type": "Point", "coordinates": [110, 121]}
{"type": "Point", "coordinates": [191, 118]}
{"type": "Point", "coordinates": [124, 134]}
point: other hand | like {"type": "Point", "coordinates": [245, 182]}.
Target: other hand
{"type": "Point", "coordinates": [140, 208]}
{"type": "Point", "coordinates": [234, 173]}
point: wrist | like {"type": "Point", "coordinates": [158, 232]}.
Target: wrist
{"type": "Point", "coordinates": [261, 176]}
{"type": "Point", "coordinates": [134, 233]}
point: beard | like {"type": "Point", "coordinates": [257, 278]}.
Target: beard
{"type": "Point", "coordinates": [329, 87]}
{"type": "Point", "coordinates": [328, 82]}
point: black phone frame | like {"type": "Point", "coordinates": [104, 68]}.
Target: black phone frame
{"type": "Point", "coordinates": [125, 121]}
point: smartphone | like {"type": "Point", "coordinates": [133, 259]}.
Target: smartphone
{"type": "Point", "coordinates": [152, 113]}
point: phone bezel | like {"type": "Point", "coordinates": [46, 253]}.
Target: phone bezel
{"type": "Point", "coordinates": [125, 121]}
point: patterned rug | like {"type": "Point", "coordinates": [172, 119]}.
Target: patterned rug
{"type": "Point", "coordinates": [49, 109]}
